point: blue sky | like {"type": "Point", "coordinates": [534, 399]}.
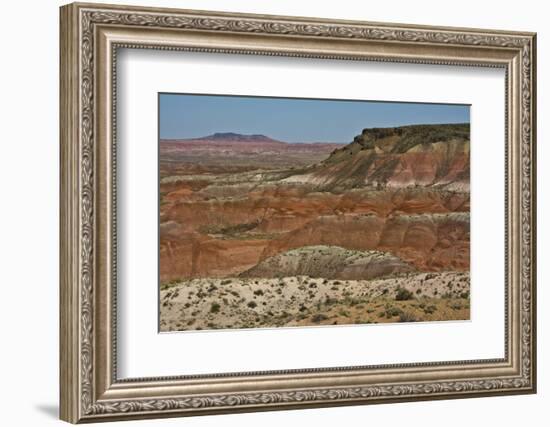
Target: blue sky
{"type": "Point", "coordinates": [292, 119]}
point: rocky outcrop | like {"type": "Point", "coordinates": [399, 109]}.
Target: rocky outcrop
{"type": "Point", "coordinates": [330, 262]}
{"type": "Point", "coordinates": [426, 155]}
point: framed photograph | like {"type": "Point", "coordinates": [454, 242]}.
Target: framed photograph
{"type": "Point", "coordinates": [266, 212]}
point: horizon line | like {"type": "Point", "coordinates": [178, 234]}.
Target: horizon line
{"type": "Point", "coordinates": [305, 141]}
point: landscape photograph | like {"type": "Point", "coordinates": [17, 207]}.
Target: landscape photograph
{"type": "Point", "coordinates": [292, 212]}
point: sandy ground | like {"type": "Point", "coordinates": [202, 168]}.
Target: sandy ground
{"type": "Point", "coordinates": [305, 301]}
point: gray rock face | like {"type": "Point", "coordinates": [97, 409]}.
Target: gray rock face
{"type": "Point", "coordinates": [329, 262]}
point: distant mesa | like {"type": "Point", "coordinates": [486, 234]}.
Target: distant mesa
{"type": "Point", "coordinates": [238, 137]}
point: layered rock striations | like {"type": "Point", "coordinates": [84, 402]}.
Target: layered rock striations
{"type": "Point", "coordinates": [228, 204]}
{"type": "Point", "coordinates": [409, 156]}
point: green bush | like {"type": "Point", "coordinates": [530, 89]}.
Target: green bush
{"type": "Point", "coordinates": [403, 294]}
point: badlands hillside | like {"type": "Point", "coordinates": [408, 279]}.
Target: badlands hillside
{"type": "Point", "coordinates": [392, 202]}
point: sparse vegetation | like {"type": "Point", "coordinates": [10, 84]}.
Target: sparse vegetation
{"type": "Point", "coordinates": [318, 318]}
{"type": "Point", "coordinates": [258, 303]}
{"type": "Point", "coordinates": [407, 316]}
{"type": "Point", "coordinates": [430, 309]}
{"type": "Point", "coordinates": [403, 294]}
{"type": "Point", "coordinates": [392, 312]}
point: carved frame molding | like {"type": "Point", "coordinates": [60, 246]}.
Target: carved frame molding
{"type": "Point", "coordinates": [90, 390]}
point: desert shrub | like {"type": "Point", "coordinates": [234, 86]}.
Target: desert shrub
{"type": "Point", "coordinates": [456, 305]}
{"type": "Point", "coordinates": [225, 282]}
{"type": "Point", "coordinates": [252, 304]}
{"type": "Point", "coordinates": [215, 307]}
{"type": "Point", "coordinates": [418, 291]}
{"type": "Point", "coordinates": [465, 295]}
{"type": "Point", "coordinates": [318, 317]}
{"type": "Point", "coordinates": [407, 316]}
{"type": "Point", "coordinates": [171, 283]}
{"type": "Point", "coordinates": [403, 294]}
{"type": "Point", "coordinates": [393, 311]}
{"type": "Point", "coordinates": [430, 309]}
{"type": "Point", "coordinates": [258, 292]}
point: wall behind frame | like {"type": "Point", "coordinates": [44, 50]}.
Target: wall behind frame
{"type": "Point", "coordinates": [29, 171]}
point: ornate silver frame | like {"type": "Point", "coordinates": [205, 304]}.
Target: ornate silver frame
{"type": "Point", "coordinates": [90, 36]}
